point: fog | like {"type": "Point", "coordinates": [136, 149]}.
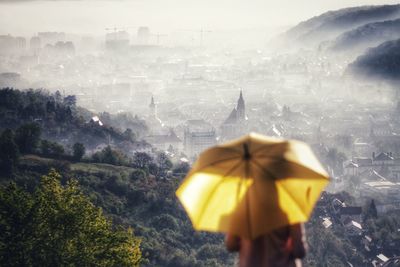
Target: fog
{"type": "Point", "coordinates": [91, 16]}
{"type": "Point", "coordinates": [177, 63]}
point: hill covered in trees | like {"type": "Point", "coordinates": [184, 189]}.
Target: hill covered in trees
{"type": "Point", "coordinates": [381, 62]}
{"type": "Point", "coordinates": [62, 121]}
{"type": "Point", "coordinates": [368, 35]}
{"type": "Point", "coordinates": [333, 23]}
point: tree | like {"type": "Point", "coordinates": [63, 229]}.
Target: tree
{"type": "Point", "coordinates": [45, 147]}
{"type": "Point", "coordinates": [78, 151]}
{"type": "Point", "coordinates": [27, 137]}
{"type": "Point", "coordinates": [53, 149]}
{"type": "Point", "coordinates": [129, 135]}
{"type": "Point", "coordinates": [9, 153]}
{"type": "Point", "coordinates": [164, 163]}
{"type": "Point", "coordinates": [57, 150]}
{"type": "Point", "coordinates": [371, 211]}
{"type": "Point", "coordinates": [58, 226]}
{"type": "Point", "coordinates": [70, 100]}
{"type": "Point", "coordinates": [181, 168]}
{"type": "Point", "coordinates": [141, 160]}
{"type": "Point", "coordinates": [110, 156]}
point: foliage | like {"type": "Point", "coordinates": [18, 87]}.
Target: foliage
{"type": "Point", "coordinates": [78, 151]}
{"type": "Point", "coordinates": [58, 226]}
{"type": "Point", "coordinates": [9, 153]}
{"type": "Point", "coordinates": [141, 160]}
{"type": "Point", "coordinates": [52, 149]}
{"type": "Point", "coordinates": [27, 137]}
{"type": "Point", "coordinates": [110, 156]}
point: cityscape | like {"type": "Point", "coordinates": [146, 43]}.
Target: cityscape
{"type": "Point", "coordinates": [163, 97]}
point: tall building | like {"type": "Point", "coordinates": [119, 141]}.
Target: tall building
{"type": "Point", "coordinates": [117, 40]}
{"type": "Point", "coordinates": [51, 37]}
{"type": "Point", "coordinates": [236, 123]}
{"type": "Point", "coordinates": [143, 35]}
{"type": "Point", "coordinates": [198, 136]}
{"type": "Point", "coordinates": [35, 44]}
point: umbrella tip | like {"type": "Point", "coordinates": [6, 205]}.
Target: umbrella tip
{"type": "Point", "coordinates": [246, 155]}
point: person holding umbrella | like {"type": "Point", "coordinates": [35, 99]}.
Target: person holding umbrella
{"type": "Point", "coordinates": [258, 190]}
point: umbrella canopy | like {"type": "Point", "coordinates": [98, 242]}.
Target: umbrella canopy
{"type": "Point", "coordinates": [252, 185]}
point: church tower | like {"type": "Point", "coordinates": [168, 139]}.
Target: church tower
{"type": "Point", "coordinates": [241, 108]}
{"type": "Point", "coordinates": [152, 107]}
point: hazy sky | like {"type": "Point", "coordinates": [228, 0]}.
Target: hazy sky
{"type": "Point", "coordinates": [92, 16]}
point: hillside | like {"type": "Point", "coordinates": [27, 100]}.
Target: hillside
{"type": "Point", "coordinates": [381, 62]}
{"type": "Point", "coordinates": [148, 204]}
{"type": "Point", "coordinates": [368, 35]}
{"type": "Point", "coordinates": [333, 23]}
{"type": "Point", "coordinates": [64, 122]}
{"type": "Point", "coordinates": [144, 201]}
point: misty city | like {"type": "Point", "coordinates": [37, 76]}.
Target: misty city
{"type": "Point", "coordinates": [124, 125]}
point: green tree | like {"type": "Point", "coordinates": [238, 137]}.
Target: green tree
{"type": "Point", "coordinates": [164, 163]}
{"type": "Point", "coordinates": [45, 147]}
{"type": "Point", "coordinates": [27, 137]}
{"type": "Point", "coordinates": [9, 153]}
{"type": "Point", "coordinates": [371, 211]}
{"type": "Point", "coordinates": [78, 151]}
{"type": "Point", "coordinates": [53, 149]}
{"type": "Point", "coordinates": [58, 226]}
{"type": "Point", "coordinates": [57, 150]}
{"type": "Point", "coordinates": [141, 160]}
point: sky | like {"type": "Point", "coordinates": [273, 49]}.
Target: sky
{"type": "Point", "coordinates": [20, 17]}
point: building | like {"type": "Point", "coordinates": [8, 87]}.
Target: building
{"type": "Point", "coordinates": [384, 163]}
{"type": "Point", "coordinates": [236, 123]}
{"type": "Point", "coordinates": [198, 136]}
{"type": "Point", "coordinates": [35, 44]}
{"type": "Point", "coordinates": [143, 35]}
{"type": "Point", "coordinates": [51, 37]}
{"type": "Point", "coordinates": [153, 121]}
{"type": "Point", "coordinates": [165, 142]}
{"type": "Point", "coordinates": [12, 45]}
{"type": "Point", "coordinates": [117, 40]}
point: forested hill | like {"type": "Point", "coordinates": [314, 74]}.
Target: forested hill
{"type": "Point", "coordinates": [331, 24]}
{"type": "Point", "coordinates": [61, 120]}
{"type": "Point", "coordinates": [381, 62]}
{"type": "Point", "coordinates": [368, 35]}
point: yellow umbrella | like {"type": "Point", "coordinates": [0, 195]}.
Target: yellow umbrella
{"type": "Point", "coordinates": [252, 185]}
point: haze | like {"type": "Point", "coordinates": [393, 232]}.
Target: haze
{"type": "Point", "coordinates": [27, 17]}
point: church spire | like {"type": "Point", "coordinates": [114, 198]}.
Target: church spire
{"type": "Point", "coordinates": [241, 107]}
{"type": "Point", "coordinates": [152, 107]}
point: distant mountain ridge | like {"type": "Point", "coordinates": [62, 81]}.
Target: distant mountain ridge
{"type": "Point", "coordinates": [368, 35]}
{"type": "Point", "coordinates": [331, 24]}
{"type": "Point", "coordinates": [381, 62]}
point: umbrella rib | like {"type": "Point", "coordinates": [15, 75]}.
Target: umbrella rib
{"type": "Point", "coordinates": [216, 162]}
{"type": "Point", "coordinates": [215, 189]}
{"type": "Point", "coordinates": [264, 170]}
{"type": "Point", "coordinates": [288, 161]}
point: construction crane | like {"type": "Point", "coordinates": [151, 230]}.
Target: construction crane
{"type": "Point", "coordinates": [115, 28]}
{"type": "Point", "coordinates": [158, 35]}
{"type": "Point", "coordinates": [201, 33]}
